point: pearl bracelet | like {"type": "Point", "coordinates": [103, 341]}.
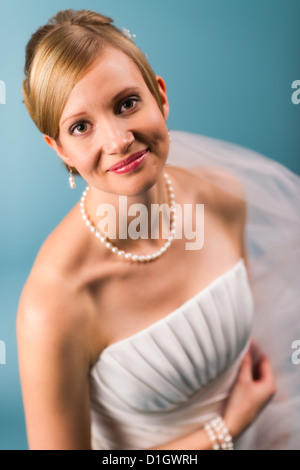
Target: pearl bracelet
{"type": "Point", "coordinates": [212, 436]}
{"type": "Point", "coordinates": [219, 434]}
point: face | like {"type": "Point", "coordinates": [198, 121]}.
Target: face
{"type": "Point", "coordinates": [111, 115]}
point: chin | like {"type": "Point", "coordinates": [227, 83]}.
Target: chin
{"type": "Point", "coordinates": [141, 184]}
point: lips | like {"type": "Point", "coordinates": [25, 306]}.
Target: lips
{"type": "Point", "coordinates": [128, 160]}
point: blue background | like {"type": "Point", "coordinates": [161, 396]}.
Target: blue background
{"type": "Point", "coordinates": [228, 65]}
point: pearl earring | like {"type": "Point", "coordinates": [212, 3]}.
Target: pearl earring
{"type": "Point", "coordinates": [71, 179]}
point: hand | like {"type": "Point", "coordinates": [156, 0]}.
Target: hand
{"type": "Point", "coordinates": [253, 389]}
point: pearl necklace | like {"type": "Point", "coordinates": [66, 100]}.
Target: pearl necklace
{"type": "Point", "coordinates": [129, 256]}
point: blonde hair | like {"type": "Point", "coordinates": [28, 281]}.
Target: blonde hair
{"type": "Point", "coordinates": [59, 53]}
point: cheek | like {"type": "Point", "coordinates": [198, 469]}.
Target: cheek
{"type": "Point", "coordinates": [81, 155]}
{"type": "Point", "coordinates": [159, 137]}
{"type": "Point", "coordinates": [154, 124]}
{"type": "Point", "coordinates": [156, 120]}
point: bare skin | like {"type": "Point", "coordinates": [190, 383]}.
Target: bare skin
{"type": "Point", "coordinates": [69, 311]}
{"type": "Point", "coordinates": [68, 315]}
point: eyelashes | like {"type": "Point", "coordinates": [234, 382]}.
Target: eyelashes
{"type": "Point", "coordinates": [78, 125]}
{"type": "Point", "coordinates": [125, 106]}
{"type": "Point", "coordinates": [132, 100]}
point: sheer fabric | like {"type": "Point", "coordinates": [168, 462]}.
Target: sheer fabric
{"type": "Point", "coordinates": [272, 193]}
{"type": "Point", "coordinates": [272, 235]}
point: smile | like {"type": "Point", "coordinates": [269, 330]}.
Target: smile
{"type": "Point", "coordinates": [130, 163]}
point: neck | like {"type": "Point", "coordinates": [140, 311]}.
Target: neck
{"type": "Point", "coordinates": [131, 221]}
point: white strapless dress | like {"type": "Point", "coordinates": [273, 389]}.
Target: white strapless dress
{"type": "Point", "coordinates": [170, 378]}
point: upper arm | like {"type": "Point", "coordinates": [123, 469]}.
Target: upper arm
{"type": "Point", "coordinates": [54, 368]}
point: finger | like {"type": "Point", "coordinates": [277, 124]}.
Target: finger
{"type": "Point", "coordinates": [245, 373]}
{"type": "Point", "coordinates": [264, 367]}
{"type": "Point", "coordinates": [265, 371]}
{"type": "Point", "coordinates": [253, 343]}
{"type": "Point", "coordinates": [256, 351]}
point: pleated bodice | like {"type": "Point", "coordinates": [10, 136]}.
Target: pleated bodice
{"type": "Point", "coordinates": [168, 379]}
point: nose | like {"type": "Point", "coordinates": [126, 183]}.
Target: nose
{"type": "Point", "coordinates": [117, 141]}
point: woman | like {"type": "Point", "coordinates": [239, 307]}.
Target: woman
{"type": "Point", "coordinates": [132, 343]}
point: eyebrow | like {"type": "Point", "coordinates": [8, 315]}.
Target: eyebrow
{"type": "Point", "coordinates": [73, 116]}
{"type": "Point", "coordinates": [115, 98]}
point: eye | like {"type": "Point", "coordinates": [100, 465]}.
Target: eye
{"type": "Point", "coordinates": [79, 128]}
{"type": "Point", "coordinates": [128, 104]}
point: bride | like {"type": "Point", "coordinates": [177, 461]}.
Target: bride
{"type": "Point", "coordinates": [134, 342]}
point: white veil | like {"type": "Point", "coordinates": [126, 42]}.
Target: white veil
{"type": "Point", "coordinates": [272, 235]}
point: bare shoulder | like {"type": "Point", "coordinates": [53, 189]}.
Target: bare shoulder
{"type": "Point", "coordinates": [45, 295]}
{"type": "Point", "coordinates": [229, 203]}
{"type": "Point", "coordinates": [190, 186]}
{"type": "Point", "coordinates": [51, 304]}
{"type": "Point", "coordinates": [228, 194]}
{"type": "Point", "coordinates": [55, 338]}
{"type": "Point", "coordinates": [222, 193]}
{"type": "Point", "coordinates": [215, 186]}
{"type": "Point", "coordinates": [48, 315]}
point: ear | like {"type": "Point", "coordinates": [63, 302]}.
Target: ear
{"type": "Point", "coordinates": [164, 98]}
{"type": "Point", "coordinates": [57, 148]}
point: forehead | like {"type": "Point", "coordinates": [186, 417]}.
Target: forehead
{"type": "Point", "coordinates": [112, 71]}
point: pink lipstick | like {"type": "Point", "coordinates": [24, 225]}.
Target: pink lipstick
{"type": "Point", "coordinates": [130, 163]}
